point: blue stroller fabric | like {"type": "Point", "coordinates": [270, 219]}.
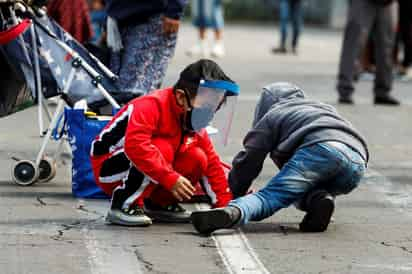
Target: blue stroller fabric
{"type": "Point", "coordinates": [19, 54]}
{"type": "Point", "coordinates": [60, 62]}
{"type": "Point", "coordinates": [81, 132]}
{"type": "Point", "coordinates": [56, 64]}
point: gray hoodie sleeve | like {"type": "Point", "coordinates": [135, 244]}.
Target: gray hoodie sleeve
{"type": "Point", "coordinates": [248, 163]}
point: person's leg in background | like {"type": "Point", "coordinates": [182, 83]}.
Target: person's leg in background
{"type": "Point", "coordinates": [362, 14]}
{"type": "Point", "coordinates": [284, 14]}
{"type": "Point", "coordinates": [161, 48]}
{"type": "Point", "coordinates": [296, 13]}
{"type": "Point", "coordinates": [405, 33]}
{"type": "Point", "coordinates": [218, 49]}
{"type": "Point", "coordinates": [384, 41]}
{"type": "Point", "coordinates": [366, 66]}
{"type": "Point", "coordinates": [199, 20]}
{"type": "Point", "coordinates": [142, 64]}
{"type": "Point", "coordinates": [128, 63]}
{"type": "Point", "coordinates": [397, 43]}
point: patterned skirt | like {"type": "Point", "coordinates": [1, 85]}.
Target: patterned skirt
{"type": "Point", "coordinates": [141, 65]}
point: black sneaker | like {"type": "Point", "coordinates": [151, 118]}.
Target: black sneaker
{"type": "Point", "coordinates": [320, 208]}
{"type": "Point", "coordinates": [132, 216]}
{"type": "Point", "coordinates": [167, 214]}
{"type": "Point", "coordinates": [280, 50]}
{"type": "Point", "coordinates": [386, 100]}
{"type": "Point", "coordinates": [346, 100]}
{"type": "Point", "coordinates": [207, 221]}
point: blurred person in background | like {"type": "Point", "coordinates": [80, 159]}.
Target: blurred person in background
{"type": "Point", "coordinates": [404, 37]}
{"type": "Point", "coordinates": [98, 17]}
{"type": "Point", "coordinates": [363, 16]}
{"type": "Point", "coordinates": [97, 44]}
{"type": "Point", "coordinates": [143, 41]}
{"type": "Point", "coordinates": [73, 16]}
{"type": "Point", "coordinates": [289, 10]}
{"type": "Point", "coordinates": [366, 63]}
{"type": "Point", "coordinates": [208, 14]}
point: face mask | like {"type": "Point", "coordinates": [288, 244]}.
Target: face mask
{"type": "Point", "coordinates": [198, 118]}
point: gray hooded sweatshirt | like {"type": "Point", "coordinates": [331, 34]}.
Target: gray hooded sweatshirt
{"type": "Point", "coordinates": [284, 122]}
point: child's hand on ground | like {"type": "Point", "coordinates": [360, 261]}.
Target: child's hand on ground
{"type": "Point", "coordinates": [183, 189]}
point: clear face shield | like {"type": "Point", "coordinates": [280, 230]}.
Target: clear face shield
{"type": "Point", "coordinates": [213, 108]}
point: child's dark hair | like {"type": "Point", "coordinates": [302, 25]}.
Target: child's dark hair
{"type": "Point", "coordinates": [189, 88]}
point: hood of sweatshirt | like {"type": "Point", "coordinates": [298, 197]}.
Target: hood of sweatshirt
{"type": "Point", "coordinates": [274, 94]}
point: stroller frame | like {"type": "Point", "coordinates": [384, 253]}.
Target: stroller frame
{"type": "Point", "coordinates": [43, 169]}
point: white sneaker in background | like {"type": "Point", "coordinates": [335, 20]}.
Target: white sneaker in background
{"type": "Point", "coordinates": [218, 49]}
{"type": "Point", "coordinates": [199, 50]}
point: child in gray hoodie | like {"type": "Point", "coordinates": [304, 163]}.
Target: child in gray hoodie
{"type": "Point", "coordinates": [320, 155]}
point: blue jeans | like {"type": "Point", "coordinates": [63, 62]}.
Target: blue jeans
{"type": "Point", "coordinates": [331, 166]}
{"type": "Point", "coordinates": [208, 14]}
{"type": "Point", "coordinates": [290, 11]}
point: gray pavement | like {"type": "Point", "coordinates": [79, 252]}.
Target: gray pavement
{"type": "Point", "coordinates": [43, 229]}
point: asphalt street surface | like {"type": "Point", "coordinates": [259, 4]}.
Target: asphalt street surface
{"type": "Point", "coordinates": [43, 229]}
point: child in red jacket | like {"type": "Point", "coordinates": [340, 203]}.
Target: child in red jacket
{"type": "Point", "coordinates": [156, 148]}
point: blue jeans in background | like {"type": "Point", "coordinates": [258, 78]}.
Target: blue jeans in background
{"type": "Point", "coordinates": [208, 14]}
{"type": "Point", "coordinates": [331, 166]}
{"type": "Point", "coordinates": [290, 10]}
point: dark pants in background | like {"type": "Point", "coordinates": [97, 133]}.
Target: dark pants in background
{"type": "Point", "coordinates": [404, 35]}
{"type": "Point", "coordinates": [363, 16]}
{"type": "Point", "coordinates": [290, 10]}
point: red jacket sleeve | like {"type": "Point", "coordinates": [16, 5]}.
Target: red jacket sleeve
{"type": "Point", "coordinates": [215, 173]}
{"type": "Point", "coordinates": [138, 146]}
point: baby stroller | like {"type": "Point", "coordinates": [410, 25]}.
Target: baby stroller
{"type": "Point", "coordinates": [51, 64]}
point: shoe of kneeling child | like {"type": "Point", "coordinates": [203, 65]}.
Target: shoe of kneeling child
{"type": "Point", "coordinates": [174, 213]}
{"type": "Point", "coordinates": [131, 216]}
{"type": "Point", "coordinates": [207, 221]}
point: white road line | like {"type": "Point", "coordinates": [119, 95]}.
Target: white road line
{"type": "Point", "coordinates": [103, 257]}
{"type": "Point", "coordinates": [236, 253]}
{"type": "Point", "coordinates": [389, 267]}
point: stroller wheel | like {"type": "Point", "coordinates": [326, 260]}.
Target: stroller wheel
{"type": "Point", "coordinates": [25, 173]}
{"type": "Point", "coordinates": [47, 170]}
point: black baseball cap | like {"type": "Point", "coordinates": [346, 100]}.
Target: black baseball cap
{"type": "Point", "coordinates": [203, 69]}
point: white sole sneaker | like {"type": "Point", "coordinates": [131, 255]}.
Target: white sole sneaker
{"type": "Point", "coordinates": [118, 217]}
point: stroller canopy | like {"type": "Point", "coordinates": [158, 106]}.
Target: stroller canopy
{"type": "Point", "coordinates": [43, 40]}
